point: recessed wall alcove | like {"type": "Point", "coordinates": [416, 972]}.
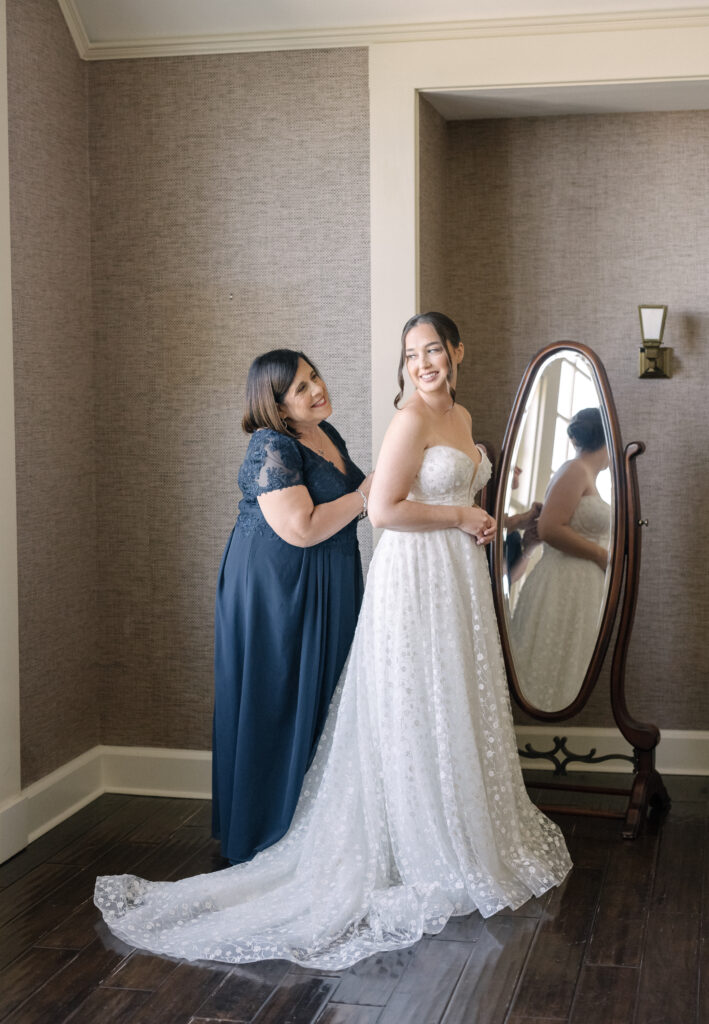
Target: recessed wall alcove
{"type": "Point", "coordinates": [544, 202]}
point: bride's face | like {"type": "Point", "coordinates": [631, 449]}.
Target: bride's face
{"type": "Point", "coordinates": [428, 361]}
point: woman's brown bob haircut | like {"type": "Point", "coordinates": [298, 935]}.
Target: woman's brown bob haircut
{"type": "Point", "coordinates": [269, 378]}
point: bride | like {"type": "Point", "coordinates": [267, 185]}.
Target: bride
{"type": "Point", "coordinates": [414, 809]}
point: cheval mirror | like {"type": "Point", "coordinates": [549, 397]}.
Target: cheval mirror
{"type": "Point", "coordinates": [557, 612]}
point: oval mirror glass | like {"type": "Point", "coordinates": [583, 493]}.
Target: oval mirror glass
{"type": "Point", "coordinates": [557, 530]}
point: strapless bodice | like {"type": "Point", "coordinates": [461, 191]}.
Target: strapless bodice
{"type": "Point", "coordinates": [449, 477]}
{"type": "Point", "coordinates": [592, 519]}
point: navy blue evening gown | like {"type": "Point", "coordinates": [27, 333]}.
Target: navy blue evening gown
{"type": "Point", "coordinates": [285, 619]}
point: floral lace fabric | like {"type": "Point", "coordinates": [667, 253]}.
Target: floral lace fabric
{"type": "Point", "coordinates": [275, 461]}
{"type": "Point", "coordinates": [554, 628]}
{"type": "Point", "coordinates": [414, 808]}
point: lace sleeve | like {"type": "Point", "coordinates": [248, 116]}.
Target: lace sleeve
{"type": "Point", "coordinates": [277, 464]}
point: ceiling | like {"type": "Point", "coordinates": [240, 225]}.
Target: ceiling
{"type": "Point", "coordinates": [111, 29]}
{"type": "Point", "coordinates": [112, 21]}
{"type": "Point", "coordinates": [548, 101]}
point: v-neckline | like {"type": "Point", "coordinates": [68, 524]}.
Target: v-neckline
{"type": "Point", "coordinates": [323, 458]}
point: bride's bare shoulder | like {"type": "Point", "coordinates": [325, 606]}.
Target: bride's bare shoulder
{"type": "Point", "coordinates": [408, 427]}
{"type": "Point", "coordinates": [464, 414]}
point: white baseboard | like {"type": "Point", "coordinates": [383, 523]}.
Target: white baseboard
{"type": "Point", "coordinates": [154, 771]}
{"type": "Point", "coordinates": [681, 751]}
{"type": "Point", "coordinates": [13, 826]}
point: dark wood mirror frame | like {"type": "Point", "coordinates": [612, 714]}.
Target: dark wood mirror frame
{"type": "Point", "coordinates": [647, 790]}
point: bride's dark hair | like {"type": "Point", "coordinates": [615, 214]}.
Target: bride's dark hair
{"type": "Point", "coordinates": [586, 430]}
{"type": "Point", "coordinates": [446, 331]}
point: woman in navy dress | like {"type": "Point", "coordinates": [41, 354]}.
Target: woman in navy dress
{"type": "Point", "coordinates": [289, 591]}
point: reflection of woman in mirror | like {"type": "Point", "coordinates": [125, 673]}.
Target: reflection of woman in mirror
{"type": "Point", "coordinates": [555, 621]}
{"type": "Point", "coordinates": [521, 536]}
{"type": "Point", "coordinates": [415, 808]}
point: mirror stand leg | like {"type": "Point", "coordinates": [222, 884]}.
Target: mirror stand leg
{"type": "Point", "coordinates": [647, 796]}
{"type": "Point", "coordinates": [648, 792]}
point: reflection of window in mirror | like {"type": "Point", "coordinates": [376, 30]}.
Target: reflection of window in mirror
{"type": "Point", "coordinates": [565, 386]}
{"type": "Point", "coordinates": [577, 390]}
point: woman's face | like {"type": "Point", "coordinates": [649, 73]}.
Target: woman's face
{"type": "Point", "coordinates": [306, 402]}
{"type": "Point", "coordinates": [427, 360]}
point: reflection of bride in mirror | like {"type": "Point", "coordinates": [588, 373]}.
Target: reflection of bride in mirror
{"type": "Point", "coordinates": [555, 622]}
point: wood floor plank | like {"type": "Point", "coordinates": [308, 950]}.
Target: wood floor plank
{"type": "Point", "coordinates": [180, 996]}
{"type": "Point", "coordinates": [549, 979]}
{"type": "Point", "coordinates": [704, 934]}
{"type": "Point", "coordinates": [28, 973]}
{"type": "Point", "coordinates": [516, 1019]}
{"type": "Point", "coordinates": [124, 857]}
{"type": "Point", "coordinates": [423, 992]}
{"type": "Point", "coordinates": [534, 907]}
{"type": "Point", "coordinates": [680, 860]}
{"type": "Point", "coordinates": [461, 929]}
{"type": "Point", "coordinates": [605, 995]}
{"type": "Point", "coordinates": [171, 814]}
{"type": "Point", "coordinates": [669, 977]}
{"type": "Point", "coordinates": [244, 991]}
{"type": "Point", "coordinates": [703, 1014]}
{"type": "Point", "coordinates": [166, 860]}
{"type": "Point", "coordinates": [201, 818]}
{"type": "Point", "coordinates": [109, 1006]}
{"type": "Point", "coordinates": [486, 986]}
{"type": "Point", "coordinates": [76, 931]}
{"type": "Point", "coordinates": [141, 971]}
{"type": "Point", "coordinates": [23, 931]}
{"type": "Point", "coordinates": [341, 1013]}
{"type": "Point", "coordinates": [372, 981]}
{"type": "Point", "coordinates": [44, 848]}
{"type": "Point", "coordinates": [204, 860]}
{"type": "Point", "coordinates": [29, 927]}
{"type": "Point", "coordinates": [107, 833]}
{"type": "Point", "coordinates": [53, 1004]}
{"type": "Point", "coordinates": [297, 1000]}
{"type": "Point", "coordinates": [29, 890]}
{"type": "Point", "coordinates": [619, 927]}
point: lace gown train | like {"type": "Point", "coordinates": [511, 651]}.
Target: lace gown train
{"type": "Point", "coordinates": [414, 808]}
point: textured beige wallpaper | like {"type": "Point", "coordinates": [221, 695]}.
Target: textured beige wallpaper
{"type": "Point", "coordinates": [557, 228]}
{"type": "Point", "coordinates": [433, 189]}
{"type": "Point", "coordinates": [230, 214]}
{"type": "Point", "coordinates": [54, 387]}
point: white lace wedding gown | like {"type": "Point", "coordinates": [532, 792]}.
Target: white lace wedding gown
{"type": "Point", "coordinates": [414, 808]}
{"type": "Point", "coordinates": [555, 622]}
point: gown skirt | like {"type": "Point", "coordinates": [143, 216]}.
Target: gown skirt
{"type": "Point", "coordinates": [414, 808]}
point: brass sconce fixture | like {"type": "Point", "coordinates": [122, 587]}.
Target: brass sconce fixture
{"type": "Point", "coordinates": [655, 359]}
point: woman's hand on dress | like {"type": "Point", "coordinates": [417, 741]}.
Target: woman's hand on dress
{"type": "Point", "coordinates": [366, 485]}
{"type": "Point", "coordinates": [478, 523]}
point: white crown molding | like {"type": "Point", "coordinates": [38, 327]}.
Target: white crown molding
{"type": "Point", "coordinates": [366, 35]}
{"type": "Point", "coordinates": [76, 27]}
{"type": "Point", "coordinates": [156, 771]}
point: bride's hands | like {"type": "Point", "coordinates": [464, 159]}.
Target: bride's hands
{"type": "Point", "coordinates": [478, 523]}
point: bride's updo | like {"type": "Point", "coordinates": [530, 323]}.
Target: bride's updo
{"type": "Point", "coordinates": [586, 430]}
{"type": "Point", "coordinates": [446, 331]}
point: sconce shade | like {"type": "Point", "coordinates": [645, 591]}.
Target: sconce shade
{"type": "Point", "coordinates": [652, 323]}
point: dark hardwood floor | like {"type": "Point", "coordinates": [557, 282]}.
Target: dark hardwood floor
{"type": "Point", "coordinates": [624, 941]}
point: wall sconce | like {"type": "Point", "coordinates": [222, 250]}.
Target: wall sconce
{"type": "Point", "coordinates": [655, 359]}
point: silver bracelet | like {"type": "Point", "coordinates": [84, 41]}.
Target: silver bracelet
{"type": "Point", "coordinates": [363, 513]}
